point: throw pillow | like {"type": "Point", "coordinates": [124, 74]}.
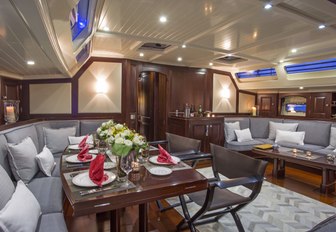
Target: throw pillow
{"type": "Point", "coordinates": [22, 160]}
{"type": "Point", "coordinates": [290, 137]}
{"type": "Point", "coordinates": [57, 139]}
{"type": "Point", "coordinates": [77, 140]}
{"type": "Point", "coordinates": [243, 135]}
{"type": "Point", "coordinates": [274, 126]}
{"type": "Point", "coordinates": [229, 130]}
{"type": "Point", "coordinates": [7, 187]}
{"type": "Point", "coordinates": [332, 142]}
{"type": "Point", "coordinates": [46, 161]}
{"type": "Point", "coordinates": [22, 211]}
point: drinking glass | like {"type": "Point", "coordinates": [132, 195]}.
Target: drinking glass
{"type": "Point", "coordinates": [126, 164]}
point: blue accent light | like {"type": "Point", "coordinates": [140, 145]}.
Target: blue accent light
{"type": "Point", "coordinates": [316, 66]}
{"type": "Point", "coordinates": [82, 25]}
{"type": "Point", "coordinates": [81, 19]}
{"type": "Point", "coordinates": [257, 73]}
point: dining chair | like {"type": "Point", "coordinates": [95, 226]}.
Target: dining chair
{"type": "Point", "coordinates": [218, 200]}
{"type": "Point", "coordinates": [327, 225]}
{"type": "Point", "coordinates": [187, 149]}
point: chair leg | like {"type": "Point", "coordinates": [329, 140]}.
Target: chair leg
{"type": "Point", "coordinates": [163, 209]}
{"type": "Point", "coordinates": [237, 221]}
{"type": "Point", "coordinates": [186, 216]}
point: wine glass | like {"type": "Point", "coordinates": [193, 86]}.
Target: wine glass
{"type": "Point", "coordinates": [126, 164]}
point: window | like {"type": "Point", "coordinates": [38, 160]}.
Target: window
{"type": "Point", "coordinates": [79, 18]}
{"type": "Point", "coordinates": [257, 73]}
{"type": "Point", "coordinates": [316, 66]}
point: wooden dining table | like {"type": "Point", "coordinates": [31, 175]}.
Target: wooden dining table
{"type": "Point", "coordinates": [142, 188]}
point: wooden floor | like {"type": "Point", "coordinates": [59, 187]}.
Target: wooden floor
{"type": "Point", "coordinates": [304, 182]}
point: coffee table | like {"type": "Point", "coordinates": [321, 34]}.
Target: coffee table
{"type": "Point", "coordinates": [317, 161]}
{"type": "Point", "coordinates": [144, 188]}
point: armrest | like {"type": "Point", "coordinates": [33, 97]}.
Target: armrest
{"type": "Point", "coordinates": [192, 155]}
{"type": "Point", "coordinates": [155, 143]}
{"type": "Point", "coordinates": [235, 182]}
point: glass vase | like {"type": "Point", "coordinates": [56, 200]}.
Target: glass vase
{"type": "Point", "coordinates": [124, 166]}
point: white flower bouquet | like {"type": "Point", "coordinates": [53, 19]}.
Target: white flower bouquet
{"type": "Point", "coordinates": [121, 139]}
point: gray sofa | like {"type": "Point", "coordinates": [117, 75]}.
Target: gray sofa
{"type": "Point", "coordinates": [317, 134]}
{"type": "Point", "coordinates": [47, 190]}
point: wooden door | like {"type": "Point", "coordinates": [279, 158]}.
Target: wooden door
{"type": "Point", "coordinates": [267, 105]}
{"type": "Point", "coordinates": [319, 105]}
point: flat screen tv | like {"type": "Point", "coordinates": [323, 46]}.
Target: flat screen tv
{"type": "Point", "coordinates": [296, 107]}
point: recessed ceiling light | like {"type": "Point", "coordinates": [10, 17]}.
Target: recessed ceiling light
{"type": "Point", "coordinates": [301, 87]}
{"type": "Point", "coordinates": [210, 64]}
{"type": "Point", "coordinates": [322, 26]}
{"type": "Point", "coordinates": [184, 46]}
{"type": "Point", "coordinates": [229, 54]}
{"type": "Point", "coordinates": [30, 62]}
{"type": "Point", "coordinates": [281, 61]}
{"type": "Point", "coordinates": [179, 58]}
{"type": "Point", "coordinates": [268, 6]}
{"type": "Point", "coordinates": [106, 28]}
{"type": "Point", "coordinates": [294, 50]}
{"type": "Point", "coordinates": [141, 54]}
{"type": "Point", "coordinates": [163, 19]}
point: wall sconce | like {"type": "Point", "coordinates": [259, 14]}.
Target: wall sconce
{"type": "Point", "coordinates": [225, 93]}
{"type": "Point", "coordinates": [101, 86]}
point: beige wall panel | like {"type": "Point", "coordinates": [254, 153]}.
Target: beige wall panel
{"type": "Point", "coordinates": [50, 98]}
{"type": "Point", "coordinates": [89, 101]}
{"type": "Point", "coordinates": [222, 87]}
{"type": "Point", "coordinates": [246, 101]}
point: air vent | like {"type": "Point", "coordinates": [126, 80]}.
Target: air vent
{"type": "Point", "coordinates": [230, 59]}
{"type": "Point", "coordinates": [154, 46]}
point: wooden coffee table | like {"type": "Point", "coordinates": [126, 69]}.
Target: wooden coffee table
{"type": "Point", "coordinates": [145, 188]}
{"type": "Point", "coordinates": [316, 161]}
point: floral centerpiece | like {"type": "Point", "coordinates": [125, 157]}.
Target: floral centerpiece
{"type": "Point", "coordinates": [121, 139]}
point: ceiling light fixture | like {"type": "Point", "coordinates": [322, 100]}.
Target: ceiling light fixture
{"type": "Point", "coordinates": [106, 28]}
{"type": "Point", "coordinates": [301, 87]}
{"type": "Point", "coordinates": [294, 50]}
{"type": "Point", "coordinates": [179, 59]}
{"type": "Point", "coordinates": [163, 19]}
{"type": "Point", "coordinates": [210, 64]}
{"type": "Point", "coordinates": [268, 6]}
{"type": "Point", "coordinates": [281, 61]}
{"type": "Point", "coordinates": [322, 26]}
{"type": "Point", "coordinates": [184, 46]}
{"type": "Point", "coordinates": [30, 62]}
{"type": "Point", "coordinates": [141, 54]}
{"type": "Point", "coordinates": [229, 54]}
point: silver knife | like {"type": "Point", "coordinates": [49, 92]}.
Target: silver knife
{"type": "Point", "coordinates": [96, 190]}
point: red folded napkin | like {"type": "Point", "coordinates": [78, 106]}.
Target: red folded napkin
{"type": "Point", "coordinates": [83, 142]}
{"type": "Point", "coordinates": [165, 157]}
{"type": "Point", "coordinates": [96, 172]}
{"type": "Point", "coordinates": [83, 155]}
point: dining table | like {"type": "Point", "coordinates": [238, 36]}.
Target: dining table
{"type": "Point", "coordinates": [141, 188]}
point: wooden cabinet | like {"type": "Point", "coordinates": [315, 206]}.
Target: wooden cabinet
{"type": "Point", "coordinates": [10, 89]}
{"type": "Point", "coordinates": [319, 105]}
{"type": "Point", "coordinates": [267, 105]}
{"type": "Point", "coordinates": [207, 129]}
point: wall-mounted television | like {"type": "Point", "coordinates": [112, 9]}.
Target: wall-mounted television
{"type": "Point", "coordinates": [296, 107]}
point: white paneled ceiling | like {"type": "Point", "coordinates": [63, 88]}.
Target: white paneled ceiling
{"type": "Point", "coordinates": [210, 29]}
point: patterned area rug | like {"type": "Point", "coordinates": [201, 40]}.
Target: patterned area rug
{"type": "Point", "coordinates": [275, 209]}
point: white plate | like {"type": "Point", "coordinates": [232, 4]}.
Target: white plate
{"type": "Point", "coordinates": [160, 171]}
{"type": "Point", "coordinates": [153, 160]}
{"type": "Point", "coordinates": [75, 146]}
{"type": "Point", "coordinates": [109, 165]}
{"type": "Point", "coordinates": [73, 159]}
{"type": "Point", "coordinates": [83, 179]}
{"type": "Point", "coordinates": [94, 151]}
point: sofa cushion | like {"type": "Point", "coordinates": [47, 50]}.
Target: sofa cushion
{"type": "Point", "coordinates": [290, 137]}
{"type": "Point", "coordinates": [4, 156]}
{"type": "Point", "coordinates": [265, 141]}
{"type": "Point", "coordinates": [242, 146]}
{"type": "Point", "coordinates": [90, 126]}
{"type": "Point", "coordinates": [243, 135]}
{"type": "Point", "coordinates": [55, 172]}
{"type": "Point", "coordinates": [305, 147]}
{"type": "Point", "coordinates": [78, 139]}
{"type": "Point", "coordinates": [325, 151]}
{"type": "Point", "coordinates": [332, 141]}
{"type": "Point", "coordinates": [21, 212]}
{"type": "Point", "coordinates": [20, 133]}
{"type": "Point", "coordinates": [52, 222]}
{"type": "Point", "coordinates": [57, 139]}
{"type": "Point", "coordinates": [260, 126]}
{"type": "Point", "coordinates": [7, 187]}
{"type": "Point", "coordinates": [229, 130]}
{"type": "Point", "coordinates": [54, 125]}
{"type": "Point", "coordinates": [22, 160]}
{"type": "Point", "coordinates": [317, 132]}
{"type": "Point", "coordinates": [243, 122]}
{"type": "Point", "coordinates": [46, 161]}
{"type": "Point", "coordinates": [274, 126]}
{"type": "Point", "coordinates": [48, 192]}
